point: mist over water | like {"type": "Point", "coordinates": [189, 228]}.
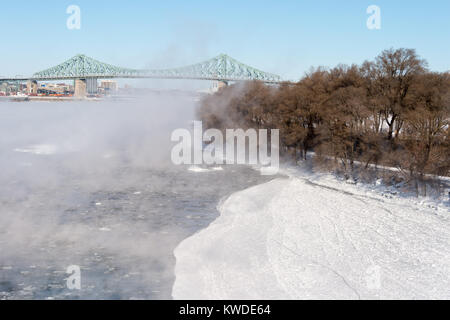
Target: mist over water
{"type": "Point", "coordinates": [92, 184]}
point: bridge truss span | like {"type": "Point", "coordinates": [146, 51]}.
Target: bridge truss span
{"type": "Point", "coordinates": [221, 68]}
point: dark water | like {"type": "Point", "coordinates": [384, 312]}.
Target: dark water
{"type": "Point", "coordinates": [93, 186]}
{"type": "Point", "coordinates": [142, 224]}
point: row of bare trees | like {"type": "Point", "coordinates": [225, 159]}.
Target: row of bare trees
{"type": "Point", "coordinates": [391, 111]}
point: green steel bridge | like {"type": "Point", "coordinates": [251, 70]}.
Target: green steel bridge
{"type": "Point", "coordinates": [221, 68]}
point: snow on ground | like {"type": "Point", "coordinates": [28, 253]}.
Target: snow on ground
{"type": "Point", "coordinates": [314, 237]}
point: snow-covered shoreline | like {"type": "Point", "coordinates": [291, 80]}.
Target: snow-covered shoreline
{"type": "Point", "coordinates": [314, 237]}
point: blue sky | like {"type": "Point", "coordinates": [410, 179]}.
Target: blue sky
{"type": "Point", "coordinates": [284, 37]}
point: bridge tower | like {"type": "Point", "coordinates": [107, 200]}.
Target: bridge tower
{"type": "Point", "coordinates": [80, 88]}
{"type": "Point", "coordinates": [32, 87]}
{"type": "Point", "coordinates": [85, 87]}
{"type": "Point", "coordinates": [92, 85]}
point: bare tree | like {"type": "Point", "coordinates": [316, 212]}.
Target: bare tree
{"type": "Point", "coordinates": [396, 72]}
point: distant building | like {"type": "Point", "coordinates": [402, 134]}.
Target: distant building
{"type": "Point", "coordinates": [217, 85]}
{"type": "Point", "coordinates": [8, 88]}
{"type": "Point", "coordinates": [55, 88]}
{"type": "Point", "coordinates": [108, 86]}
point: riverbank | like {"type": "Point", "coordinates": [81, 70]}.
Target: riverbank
{"type": "Point", "coordinates": [44, 98]}
{"type": "Point", "coordinates": [312, 236]}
